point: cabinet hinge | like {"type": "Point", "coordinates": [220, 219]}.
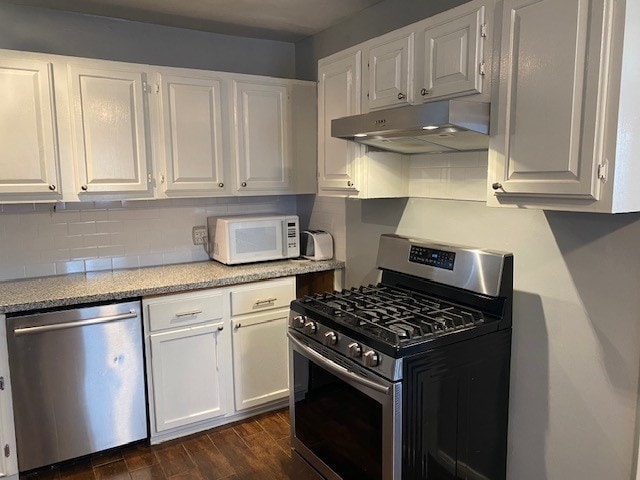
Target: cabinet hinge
{"type": "Point", "coordinates": [603, 171]}
{"type": "Point", "coordinates": [7, 451]}
{"type": "Point", "coordinates": [483, 30]}
{"type": "Point", "coordinates": [155, 88]}
{"type": "Point", "coordinates": [1, 383]}
{"type": "Point", "coordinates": [481, 68]}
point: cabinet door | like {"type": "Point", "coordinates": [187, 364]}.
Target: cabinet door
{"type": "Point", "coordinates": [544, 144]}
{"type": "Point", "coordinates": [390, 73]}
{"type": "Point", "coordinates": [451, 54]}
{"type": "Point", "coordinates": [194, 143]}
{"type": "Point", "coordinates": [110, 129]}
{"type": "Point", "coordinates": [261, 137]}
{"type": "Point", "coordinates": [260, 358]}
{"type": "Point", "coordinates": [188, 368]}
{"type": "Point", "coordinates": [8, 463]}
{"type": "Point", "coordinates": [29, 156]}
{"type": "Point", "coordinates": [338, 96]}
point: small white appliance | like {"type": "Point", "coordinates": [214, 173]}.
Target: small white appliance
{"type": "Point", "coordinates": [317, 245]}
{"type": "Point", "coordinates": [246, 239]}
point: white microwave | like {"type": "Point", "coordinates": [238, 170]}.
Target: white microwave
{"type": "Point", "coordinates": [246, 239]}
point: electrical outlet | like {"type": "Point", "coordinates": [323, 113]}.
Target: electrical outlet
{"type": "Point", "coordinates": [199, 234]}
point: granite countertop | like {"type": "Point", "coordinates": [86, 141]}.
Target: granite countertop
{"type": "Point", "coordinates": [78, 288]}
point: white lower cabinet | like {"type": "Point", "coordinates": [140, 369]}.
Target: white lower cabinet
{"type": "Point", "coordinates": [260, 355]}
{"type": "Point", "coordinates": [184, 390]}
{"type": "Point", "coordinates": [188, 359]}
{"type": "Point", "coordinates": [260, 374]}
{"type": "Point", "coordinates": [196, 373]}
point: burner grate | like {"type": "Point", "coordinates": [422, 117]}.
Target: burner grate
{"type": "Point", "coordinates": [395, 315]}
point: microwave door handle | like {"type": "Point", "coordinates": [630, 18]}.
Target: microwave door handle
{"type": "Point", "coordinates": [336, 369]}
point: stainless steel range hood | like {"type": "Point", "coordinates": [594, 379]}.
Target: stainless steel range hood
{"type": "Point", "coordinates": [443, 126]}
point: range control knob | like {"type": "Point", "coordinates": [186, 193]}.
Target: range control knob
{"type": "Point", "coordinates": [299, 321]}
{"type": "Point", "coordinates": [330, 338]}
{"type": "Point", "coordinates": [310, 327]}
{"type": "Point", "coordinates": [354, 350]}
{"type": "Point", "coordinates": [371, 359]}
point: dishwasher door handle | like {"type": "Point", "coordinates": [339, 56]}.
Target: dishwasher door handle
{"type": "Point", "coordinates": [79, 323]}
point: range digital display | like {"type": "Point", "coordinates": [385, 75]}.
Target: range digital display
{"type": "Point", "coordinates": [431, 257]}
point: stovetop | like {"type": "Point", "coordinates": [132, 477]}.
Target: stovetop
{"type": "Point", "coordinates": [394, 315]}
{"type": "Point", "coordinates": [392, 319]}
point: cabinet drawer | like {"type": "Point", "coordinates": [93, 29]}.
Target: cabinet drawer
{"type": "Point", "coordinates": [185, 310]}
{"type": "Point", "coordinates": [264, 296]}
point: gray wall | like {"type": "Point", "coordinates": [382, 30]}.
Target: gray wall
{"type": "Point", "coordinates": [51, 31]}
{"type": "Point", "coordinates": [372, 22]}
{"type": "Point", "coordinates": [576, 334]}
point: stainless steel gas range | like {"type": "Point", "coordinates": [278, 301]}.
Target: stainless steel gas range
{"type": "Point", "coordinates": [407, 379]}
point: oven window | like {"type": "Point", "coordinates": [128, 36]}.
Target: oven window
{"type": "Point", "coordinates": [339, 424]}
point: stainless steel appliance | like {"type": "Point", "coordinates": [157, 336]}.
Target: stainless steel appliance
{"type": "Point", "coordinates": [252, 238]}
{"type": "Point", "coordinates": [408, 378]}
{"type": "Point", "coordinates": [78, 382]}
{"type": "Point", "coordinates": [443, 126]}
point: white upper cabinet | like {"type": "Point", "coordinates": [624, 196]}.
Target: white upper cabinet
{"type": "Point", "coordinates": [261, 137]}
{"type": "Point", "coordinates": [345, 168]}
{"type": "Point", "coordinates": [338, 96]}
{"type": "Point", "coordinates": [29, 157]}
{"type": "Point", "coordinates": [194, 133]}
{"type": "Point", "coordinates": [110, 129]}
{"type": "Point", "coordinates": [450, 57]}
{"type": "Point", "coordinates": [561, 136]}
{"type": "Point", "coordinates": [543, 150]}
{"type": "Point", "coordinates": [389, 78]}
{"type": "Point", "coordinates": [114, 131]}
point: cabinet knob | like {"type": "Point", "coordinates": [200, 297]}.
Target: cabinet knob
{"type": "Point", "coordinates": [497, 186]}
{"type": "Point", "coordinates": [238, 325]}
{"type": "Point", "coordinates": [84, 188]}
{"type": "Point", "coordinates": [243, 184]}
{"type": "Point", "coordinates": [401, 96]}
{"type": "Point", "coordinates": [52, 187]}
{"type": "Point", "coordinates": [220, 328]}
{"type": "Point", "coordinates": [424, 92]}
{"type": "Point", "coordinates": [349, 183]}
{"type": "Point", "coordinates": [221, 184]}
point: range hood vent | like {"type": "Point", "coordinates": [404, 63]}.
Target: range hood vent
{"type": "Point", "coordinates": [435, 127]}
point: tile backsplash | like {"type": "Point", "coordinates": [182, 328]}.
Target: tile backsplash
{"type": "Point", "coordinates": [44, 239]}
{"type": "Point", "coordinates": [326, 213]}
{"type": "Point", "coordinates": [453, 176]}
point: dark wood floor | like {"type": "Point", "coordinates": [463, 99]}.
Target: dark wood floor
{"type": "Point", "coordinates": [255, 449]}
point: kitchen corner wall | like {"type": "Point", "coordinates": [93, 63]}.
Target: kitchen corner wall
{"type": "Point", "coordinates": [45, 239]}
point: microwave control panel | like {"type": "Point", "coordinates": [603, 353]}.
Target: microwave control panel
{"type": "Point", "coordinates": [293, 234]}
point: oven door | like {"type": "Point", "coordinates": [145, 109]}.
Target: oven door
{"type": "Point", "coordinates": [345, 420]}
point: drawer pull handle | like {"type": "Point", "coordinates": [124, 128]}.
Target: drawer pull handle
{"type": "Point", "coordinates": [190, 313]}
{"type": "Point", "coordinates": [266, 301]}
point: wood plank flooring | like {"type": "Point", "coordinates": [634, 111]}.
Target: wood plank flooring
{"type": "Point", "coordinates": [255, 449]}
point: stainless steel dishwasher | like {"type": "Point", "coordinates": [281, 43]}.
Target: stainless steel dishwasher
{"type": "Point", "coordinates": [78, 382]}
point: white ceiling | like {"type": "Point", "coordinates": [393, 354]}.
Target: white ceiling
{"type": "Point", "coordinates": [286, 20]}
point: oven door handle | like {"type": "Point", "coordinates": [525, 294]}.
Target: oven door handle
{"type": "Point", "coordinates": [338, 369]}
